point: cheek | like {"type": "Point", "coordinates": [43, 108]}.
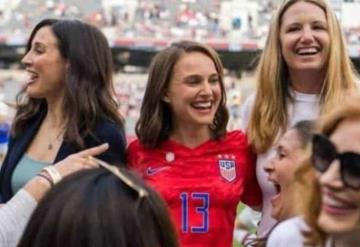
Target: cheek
{"type": "Point", "coordinates": [280, 173]}
{"type": "Point", "coordinates": [217, 91]}
{"type": "Point", "coordinates": [356, 198]}
{"type": "Point", "coordinates": [285, 53]}
{"type": "Point", "coordinates": [326, 45]}
{"type": "Point", "coordinates": [288, 42]}
{"type": "Point", "coordinates": [284, 172]}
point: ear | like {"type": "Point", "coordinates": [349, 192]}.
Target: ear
{"type": "Point", "coordinates": [165, 98]}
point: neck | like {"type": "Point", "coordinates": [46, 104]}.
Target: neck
{"type": "Point", "coordinates": [55, 116]}
{"type": "Point", "coordinates": [347, 240]}
{"type": "Point", "coordinates": [189, 136]}
{"type": "Point", "coordinates": [307, 82]}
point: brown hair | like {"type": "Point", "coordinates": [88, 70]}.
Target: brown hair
{"type": "Point", "coordinates": [89, 92]}
{"type": "Point", "coordinates": [107, 211]}
{"type": "Point", "coordinates": [155, 124]}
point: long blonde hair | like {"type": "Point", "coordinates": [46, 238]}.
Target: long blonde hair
{"type": "Point", "coordinates": [269, 114]}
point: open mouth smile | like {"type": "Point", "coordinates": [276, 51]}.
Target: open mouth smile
{"type": "Point", "coordinates": [307, 51]}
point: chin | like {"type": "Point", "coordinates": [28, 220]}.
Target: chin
{"type": "Point", "coordinates": [34, 95]}
{"type": "Point", "coordinates": [275, 213]}
{"type": "Point", "coordinates": [314, 67]}
{"type": "Point", "coordinates": [205, 120]}
{"type": "Point", "coordinates": [335, 226]}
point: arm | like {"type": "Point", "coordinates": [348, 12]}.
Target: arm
{"type": "Point", "coordinates": [15, 213]}
{"type": "Point", "coordinates": [252, 191]}
{"type": "Point", "coordinates": [13, 217]}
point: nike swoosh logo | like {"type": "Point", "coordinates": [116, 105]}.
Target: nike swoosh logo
{"type": "Point", "coordinates": [151, 171]}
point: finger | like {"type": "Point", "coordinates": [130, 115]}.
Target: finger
{"type": "Point", "coordinates": [94, 150]}
{"type": "Point", "coordinates": [91, 163]}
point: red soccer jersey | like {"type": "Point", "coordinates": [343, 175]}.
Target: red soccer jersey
{"type": "Point", "coordinates": [202, 186]}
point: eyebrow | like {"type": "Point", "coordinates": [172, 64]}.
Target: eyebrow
{"type": "Point", "coordinates": [39, 44]}
{"type": "Point", "coordinates": [196, 76]}
{"type": "Point", "coordinates": [44, 45]}
{"type": "Point", "coordinates": [313, 22]}
{"type": "Point", "coordinates": [215, 74]}
{"type": "Point", "coordinates": [282, 148]}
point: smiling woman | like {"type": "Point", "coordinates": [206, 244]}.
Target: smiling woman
{"type": "Point", "coordinates": [184, 151]}
{"type": "Point", "coordinates": [305, 42]}
{"type": "Point", "coordinates": [194, 103]}
{"type": "Point", "coordinates": [45, 66]}
{"type": "Point", "coordinates": [330, 192]}
{"type": "Point", "coordinates": [304, 72]}
{"type": "Point", "coordinates": [67, 104]}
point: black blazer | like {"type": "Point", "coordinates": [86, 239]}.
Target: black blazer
{"type": "Point", "coordinates": [105, 131]}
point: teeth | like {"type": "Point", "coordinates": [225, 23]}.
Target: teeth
{"type": "Point", "coordinates": [202, 104]}
{"type": "Point", "coordinates": [333, 202]}
{"type": "Point", "coordinates": [31, 75]}
{"type": "Point", "coordinates": [310, 50]}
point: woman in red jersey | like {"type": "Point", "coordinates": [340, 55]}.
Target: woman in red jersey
{"type": "Point", "coordinates": [184, 151]}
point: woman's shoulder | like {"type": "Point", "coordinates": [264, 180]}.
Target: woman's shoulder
{"type": "Point", "coordinates": [288, 231]}
{"type": "Point", "coordinates": [134, 146]}
{"type": "Point", "coordinates": [108, 129]}
{"type": "Point", "coordinates": [234, 141]}
{"type": "Point", "coordinates": [236, 135]}
{"type": "Point", "coordinates": [108, 124]}
{"type": "Point", "coordinates": [109, 132]}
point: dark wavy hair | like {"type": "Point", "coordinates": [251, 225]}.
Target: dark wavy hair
{"type": "Point", "coordinates": [94, 208]}
{"type": "Point", "coordinates": [89, 92]}
{"type": "Point", "coordinates": [155, 124]}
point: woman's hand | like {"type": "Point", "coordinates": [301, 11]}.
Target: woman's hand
{"type": "Point", "coordinates": [38, 186]}
{"type": "Point", "coordinates": [80, 160]}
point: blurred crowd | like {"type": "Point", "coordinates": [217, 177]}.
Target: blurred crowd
{"type": "Point", "coordinates": [159, 19]}
{"type": "Point", "coordinates": [201, 20]}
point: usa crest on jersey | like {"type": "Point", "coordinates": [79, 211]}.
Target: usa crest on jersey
{"type": "Point", "coordinates": [227, 166]}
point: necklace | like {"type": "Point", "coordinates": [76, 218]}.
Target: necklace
{"type": "Point", "coordinates": [57, 139]}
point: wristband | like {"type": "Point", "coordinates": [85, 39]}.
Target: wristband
{"type": "Point", "coordinates": [46, 178]}
{"type": "Point", "coordinates": [53, 173]}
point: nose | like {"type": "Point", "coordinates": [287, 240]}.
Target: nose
{"type": "Point", "coordinates": [26, 60]}
{"type": "Point", "coordinates": [331, 177]}
{"type": "Point", "coordinates": [307, 35]}
{"type": "Point", "coordinates": [269, 166]}
{"type": "Point", "coordinates": [206, 88]}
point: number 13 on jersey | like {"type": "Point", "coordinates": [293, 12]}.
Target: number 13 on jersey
{"type": "Point", "coordinates": [203, 199]}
